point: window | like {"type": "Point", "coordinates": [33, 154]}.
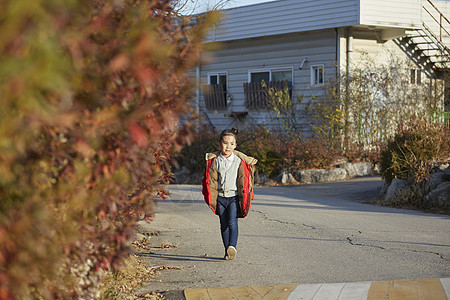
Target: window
{"type": "Point", "coordinates": [317, 75]}
{"type": "Point", "coordinates": [416, 76]}
{"type": "Point", "coordinates": [260, 76]}
{"type": "Point", "coordinates": [220, 78]}
{"type": "Point", "coordinates": [215, 91]}
{"type": "Point", "coordinates": [256, 93]}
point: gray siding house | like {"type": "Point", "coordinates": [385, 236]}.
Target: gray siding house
{"type": "Point", "coordinates": [307, 43]}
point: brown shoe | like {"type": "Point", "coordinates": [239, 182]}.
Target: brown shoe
{"type": "Point", "coordinates": [231, 253]}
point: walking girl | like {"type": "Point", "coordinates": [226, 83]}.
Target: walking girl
{"type": "Point", "coordinates": [228, 187]}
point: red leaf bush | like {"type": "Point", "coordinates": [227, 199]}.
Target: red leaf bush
{"type": "Point", "coordinates": [91, 94]}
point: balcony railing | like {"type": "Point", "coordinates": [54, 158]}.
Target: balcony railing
{"type": "Point", "coordinates": [257, 94]}
{"type": "Point", "coordinates": [215, 96]}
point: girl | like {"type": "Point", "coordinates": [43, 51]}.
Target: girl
{"type": "Point", "coordinates": [228, 187]}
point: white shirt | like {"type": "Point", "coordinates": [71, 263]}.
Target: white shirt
{"type": "Point", "coordinates": [226, 161]}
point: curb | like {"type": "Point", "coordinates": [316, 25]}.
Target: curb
{"type": "Point", "coordinates": [428, 288]}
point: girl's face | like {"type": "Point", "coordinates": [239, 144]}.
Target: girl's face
{"type": "Point", "coordinates": [227, 145]}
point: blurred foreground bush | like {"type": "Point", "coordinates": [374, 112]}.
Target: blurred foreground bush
{"type": "Point", "coordinates": [91, 92]}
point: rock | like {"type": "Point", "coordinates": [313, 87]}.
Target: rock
{"type": "Point", "coordinates": [440, 196]}
{"type": "Point", "coordinates": [358, 169]}
{"type": "Point", "coordinates": [263, 179]}
{"type": "Point", "coordinates": [377, 169]}
{"type": "Point", "coordinates": [320, 175]}
{"type": "Point", "coordinates": [285, 177]}
{"type": "Point", "coordinates": [384, 188]}
{"type": "Point", "coordinates": [395, 189]}
{"type": "Point", "coordinates": [435, 179]}
{"type": "Point", "coordinates": [447, 174]}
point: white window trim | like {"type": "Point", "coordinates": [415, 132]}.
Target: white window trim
{"type": "Point", "coordinates": [208, 77]}
{"type": "Point", "coordinates": [312, 75]}
{"type": "Point", "coordinates": [270, 70]}
{"type": "Point", "coordinates": [419, 72]}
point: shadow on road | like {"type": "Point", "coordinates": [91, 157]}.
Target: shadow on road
{"type": "Point", "coordinates": [173, 257]}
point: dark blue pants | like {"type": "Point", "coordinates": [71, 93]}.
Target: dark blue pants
{"type": "Point", "coordinates": [228, 211]}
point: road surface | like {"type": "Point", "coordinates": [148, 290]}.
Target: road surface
{"type": "Point", "coordinates": [296, 234]}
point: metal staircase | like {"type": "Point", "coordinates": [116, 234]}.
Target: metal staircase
{"type": "Point", "coordinates": [430, 44]}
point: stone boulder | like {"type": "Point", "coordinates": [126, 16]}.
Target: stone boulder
{"type": "Point", "coordinates": [395, 189]}
{"type": "Point", "coordinates": [320, 175]}
{"type": "Point", "coordinates": [434, 180]}
{"type": "Point", "coordinates": [446, 173]}
{"type": "Point", "coordinates": [359, 169]}
{"type": "Point", "coordinates": [263, 179]}
{"type": "Point", "coordinates": [440, 196]}
{"type": "Point", "coordinates": [285, 178]}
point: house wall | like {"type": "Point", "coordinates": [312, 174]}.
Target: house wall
{"type": "Point", "coordinates": [389, 13]}
{"type": "Point", "coordinates": [289, 16]}
{"type": "Point", "coordinates": [414, 98]}
{"type": "Point", "coordinates": [284, 16]}
{"type": "Point", "coordinates": [281, 34]}
{"type": "Point", "coordinates": [380, 53]}
{"type": "Point", "coordinates": [287, 51]}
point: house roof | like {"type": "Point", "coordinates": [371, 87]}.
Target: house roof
{"type": "Point", "coordinates": [290, 16]}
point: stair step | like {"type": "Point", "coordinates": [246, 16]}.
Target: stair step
{"type": "Point", "coordinates": [422, 43]}
{"type": "Point", "coordinates": [415, 36]}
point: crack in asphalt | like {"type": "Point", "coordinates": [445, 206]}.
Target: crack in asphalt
{"type": "Point", "coordinates": [401, 249]}
{"type": "Point", "coordinates": [280, 221]}
{"type": "Point", "coordinates": [363, 245]}
{"type": "Point", "coordinates": [351, 242]}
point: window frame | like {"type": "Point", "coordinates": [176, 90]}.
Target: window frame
{"type": "Point", "coordinates": [270, 70]}
{"type": "Point", "coordinates": [209, 74]}
{"type": "Point", "coordinates": [313, 75]}
{"type": "Point", "coordinates": [222, 104]}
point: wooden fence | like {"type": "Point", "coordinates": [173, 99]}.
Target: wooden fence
{"type": "Point", "coordinates": [257, 95]}
{"type": "Point", "coordinates": [215, 96]}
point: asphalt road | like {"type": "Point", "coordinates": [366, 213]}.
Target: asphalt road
{"type": "Point", "coordinates": [296, 234]}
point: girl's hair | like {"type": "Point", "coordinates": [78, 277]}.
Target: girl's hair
{"type": "Point", "coordinates": [232, 132]}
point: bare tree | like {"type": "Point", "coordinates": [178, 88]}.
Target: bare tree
{"type": "Point", "coordinates": [189, 7]}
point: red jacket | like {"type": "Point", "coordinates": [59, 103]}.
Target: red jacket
{"type": "Point", "coordinates": [244, 182]}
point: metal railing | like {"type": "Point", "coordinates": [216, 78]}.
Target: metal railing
{"type": "Point", "coordinates": [442, 18]}
{"type": "Point", "coordinates": [444, 31]}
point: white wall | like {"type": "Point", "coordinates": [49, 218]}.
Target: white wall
{"type": "Point", "coordinates": [390, 13]}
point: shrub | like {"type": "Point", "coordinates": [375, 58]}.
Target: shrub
{"type": "Point", "coordinates": [262, 144]}
{"type": "Point", "coordinates": [275, 151]}
{"type": "Point", "coordinates": [91, 92]}
{"type": "Point", "coordinates": [122, 282]}
{"type": "Point", "coordinates": [192, 156]}
{"type": "Point", "coordinates": [414, 150]}
{"type": "Point", "coordinates": [313, 153]}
